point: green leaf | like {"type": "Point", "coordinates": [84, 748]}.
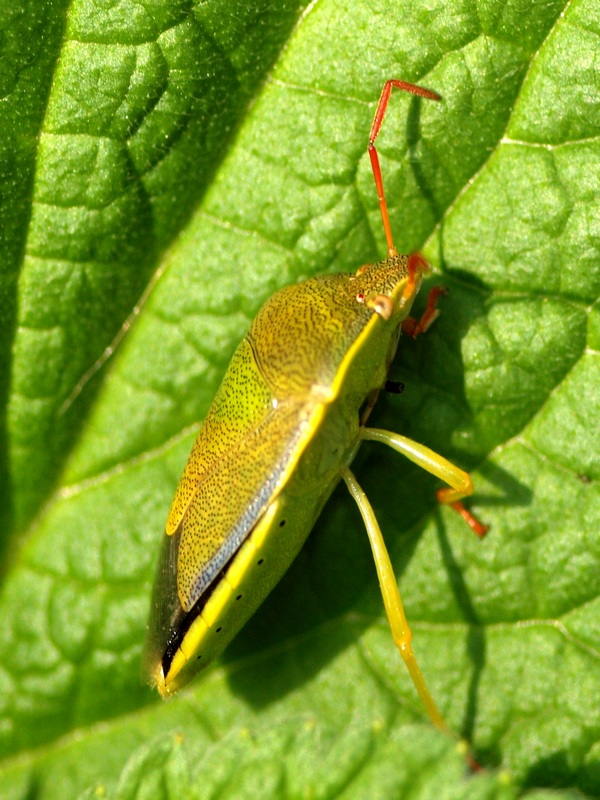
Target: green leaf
{"type": "Point", "coordinates": [166, 166]}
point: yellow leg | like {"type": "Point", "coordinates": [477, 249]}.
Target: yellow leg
{"type": "Point", "coordinates": [391, 599]}
{"type": "Point", "coordinates": [460, 482]}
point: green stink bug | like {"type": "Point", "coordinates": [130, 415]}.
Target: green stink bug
{"type": "Point", "coordinates": [282, 431]}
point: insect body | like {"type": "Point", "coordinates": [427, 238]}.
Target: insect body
{"type": "Point", "coordinates": [283, 429]}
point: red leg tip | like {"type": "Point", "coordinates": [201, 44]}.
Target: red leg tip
{"type": "Point", "coordinates": [478, 528]}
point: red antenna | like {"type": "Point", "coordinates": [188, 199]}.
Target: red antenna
{"type": "Point", "coordinates": [375, 128]}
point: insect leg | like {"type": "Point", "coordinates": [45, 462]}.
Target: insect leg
{"type": "Point", "coordinates": [393, 387]}
{"type": "Point", "coordinates": [375, 128]}
{"type": "Point", "coordinates": [459, 482]}
{"type": "Point", "coordinates": [391, 598]}
{"type": "Point", "coordinates": [413, 327]}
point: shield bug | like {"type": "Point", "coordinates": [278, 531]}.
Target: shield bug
{"type": "Point", "coordinates": [282, 431]}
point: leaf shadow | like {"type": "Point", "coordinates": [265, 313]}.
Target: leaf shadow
{"type": "Point", "coordinates": [553, 771]}
{"type": "Point", "coordinates": [476, 642]}
{"type": "Point", "coordinates": [513, 493]}
{"type": "Point", "coordinates": [413, 137]}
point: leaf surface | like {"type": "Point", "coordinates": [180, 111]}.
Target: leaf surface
{"type": "Point", "coordinates": [165, 167]}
